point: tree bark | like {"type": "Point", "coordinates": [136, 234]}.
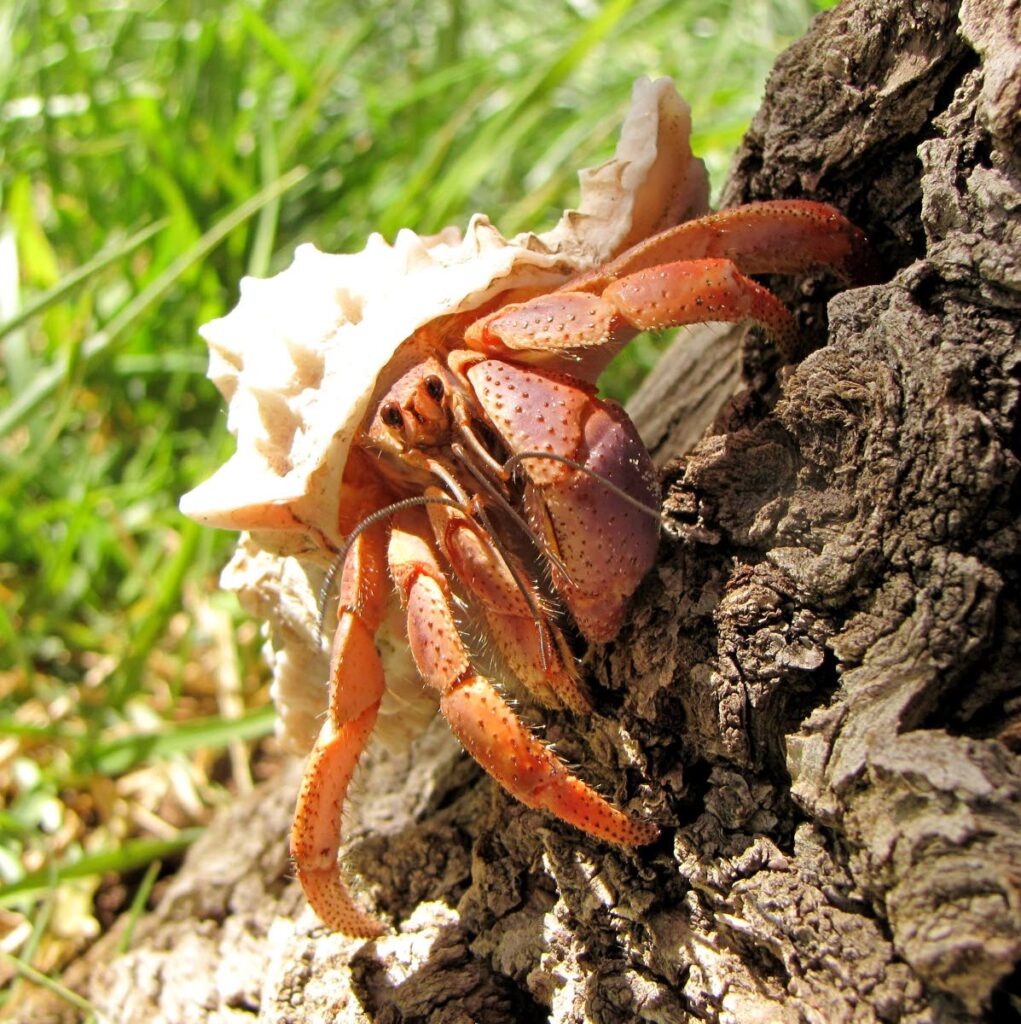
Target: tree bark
{"type": "Point", "coordinates": [816, 693]}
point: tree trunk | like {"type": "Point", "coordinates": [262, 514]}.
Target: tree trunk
{"type": "Point", "coordinates": [816, 693]}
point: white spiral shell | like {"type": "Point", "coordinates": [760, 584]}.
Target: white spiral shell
{"type": "Point", "coordinates": [301, 355]}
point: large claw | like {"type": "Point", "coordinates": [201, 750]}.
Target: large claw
{"type": "Point", "coordinates": [532, 647]}
{"type": "Point", "coordinates": [606, 543]}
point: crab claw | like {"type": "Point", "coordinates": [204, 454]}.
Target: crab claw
{"type": "Point", "coordinates": [580, 512]}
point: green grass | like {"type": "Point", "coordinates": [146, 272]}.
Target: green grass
{"type": "Point", "coordinates": [151, 154]}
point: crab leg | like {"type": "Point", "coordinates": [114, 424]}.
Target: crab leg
{"type": "Point", "coordinates": [356, 688]}
{"type": "Point", "coordinates": [782, 236]}
{"type": "Point", "coordinates": [692, 273]}
{"type": "Point", "coordinates": [478, 715]}
{"type": "Point", "coordinates": [694, 291]}
{"type": "Point", "coordinates": [668, 295]}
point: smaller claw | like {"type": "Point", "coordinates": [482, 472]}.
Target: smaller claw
{"type": "Point", "coordinates": [531, 647]}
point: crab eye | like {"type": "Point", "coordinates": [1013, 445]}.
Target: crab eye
{"type": "Point", "coordinates": [434, 386]}
{"type": "Point", "coordinates": [391, 415]}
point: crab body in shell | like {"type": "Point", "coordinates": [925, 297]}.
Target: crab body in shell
{"type": "Point", "coordinates": [489, 473]}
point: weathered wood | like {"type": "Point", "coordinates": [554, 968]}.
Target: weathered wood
{"type": "Point", "coordinates": [817, 691]}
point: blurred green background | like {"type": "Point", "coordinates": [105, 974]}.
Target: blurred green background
{"type": "Point", "coordinates": [151, 154]}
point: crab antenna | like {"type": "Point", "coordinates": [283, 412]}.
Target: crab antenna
{"type": "Point", "coordinates": [365, 524]}
{"type": "Point", "coordinates": [511, 464]}
{"type": "Point", "coordinates": [510, 510]}
{"type": "Point", "coordinates": [475, 506]}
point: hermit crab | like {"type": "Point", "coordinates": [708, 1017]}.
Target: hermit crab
{"type": "Point", "coordinates": [425, 416]}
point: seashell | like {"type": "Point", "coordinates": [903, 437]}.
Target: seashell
{"type": "Point", "coordinates": [301, 356]}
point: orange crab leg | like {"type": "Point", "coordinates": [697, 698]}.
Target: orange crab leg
{"type": "Point", "coordinates": [667, 295]}
{"type": "Point", "coordinates": [478, 715]}
{"type": "Point", "coordinates": [356, 688]}
{"type": "Point", "coordinates": [782, 236]}
{"type": "Point", "coordinates": [695, 291]}
{"type": "Point", "coordinates": [691, 273]}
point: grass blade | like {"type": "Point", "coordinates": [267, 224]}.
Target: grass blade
{"type": "Point", "coordinates": [138, 903]}
{"type": "Point", "coordinates": [47, 382]}
{"type": "Point", "coordinates": [124, 753]}
{"type": "Point", "coordinates": [67, 284]}
{"type": "Point", "coordinates": [133, 854]}
{"type": "Point", "coordinates": [29, 973]}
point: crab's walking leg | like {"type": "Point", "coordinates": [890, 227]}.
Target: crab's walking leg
{"type": "Point", "coordinates": [781, 236]}
{"type": "Point", "coordinates": [699, 271]}
{"type": "Point", "coordinates": [478, 715]}
{"type": "Point", "coordinates": [696, 291]}
{"type": "Point", "coordinates": [356, 688]}
{"type": "Point", "coordinates": [667, 295]}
